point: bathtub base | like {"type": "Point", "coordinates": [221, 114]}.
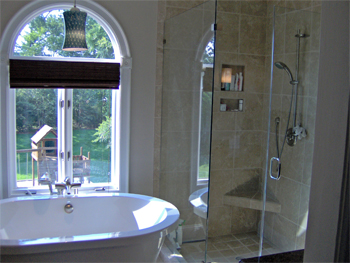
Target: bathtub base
{"type": "Point", "coordinates": [141, 252]}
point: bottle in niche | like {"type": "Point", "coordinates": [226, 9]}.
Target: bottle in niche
{"type": "Point", "coordinates": [240, 105]}
{"type": "Point", "coordinates": [222, 107]}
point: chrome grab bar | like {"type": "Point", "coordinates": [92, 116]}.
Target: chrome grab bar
{"type": "Point", "coordinates": [278, 168]}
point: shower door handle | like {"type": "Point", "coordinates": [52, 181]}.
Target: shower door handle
{"type": "Point", "coordinates": [278, 168]}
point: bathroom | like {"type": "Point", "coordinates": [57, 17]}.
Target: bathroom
{"type": "Point", "coordinates": [147, 90]}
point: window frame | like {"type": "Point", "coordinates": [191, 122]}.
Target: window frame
{"type": "Point", "coordinates": [197, 183]}
{"type": "Point", "coordinates": [122, 129]}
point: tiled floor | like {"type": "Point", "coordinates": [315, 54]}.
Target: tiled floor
{"type": "Point", "coordinates": [229, 248]}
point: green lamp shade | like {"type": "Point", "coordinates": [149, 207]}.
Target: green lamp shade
{"type": "Point", "coordinates": [74, 23]}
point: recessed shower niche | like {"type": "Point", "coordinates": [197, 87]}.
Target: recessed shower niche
{"type": "Point", "coordinates": [231, 105]}
{"type": "Point", "coordinates": [232, 77]}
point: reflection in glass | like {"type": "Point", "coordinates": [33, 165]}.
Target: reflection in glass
{"type": "Point", "coordinates": [36, 135]}
{"type": "Point", "coordinates": [92, 135]}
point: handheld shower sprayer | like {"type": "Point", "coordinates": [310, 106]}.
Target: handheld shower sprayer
{"type": "Point", "coordinates": [281, 65]}
{"type": "Point", "coordinates": [296, 132]}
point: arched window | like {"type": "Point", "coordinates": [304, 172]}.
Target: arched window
{"type": "Point", "coordinates": [205, 105]}
{"type": "Point", "coordinates": [53, 134]}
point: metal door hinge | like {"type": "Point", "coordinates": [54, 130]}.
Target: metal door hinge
{"type": "Point", "coordinates": [164, 41]}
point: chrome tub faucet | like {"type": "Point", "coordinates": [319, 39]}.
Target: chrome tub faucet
{"type": "Point", "coordinates": [46, 180]}
{"type": "Point", "coordinates": [71, 186]}
{"type": "Point", "coordinates": [66, 185]}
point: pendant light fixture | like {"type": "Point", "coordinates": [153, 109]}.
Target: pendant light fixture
{"type": "Point", "coordinates": [74, 24]}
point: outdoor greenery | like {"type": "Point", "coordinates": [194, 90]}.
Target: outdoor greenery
{"type": "Point", "coordinates": [205, 135]}
{"type": "Point", "coordinates": [208, 55]}
{"type": "Point", "coordinates": [81, 138]}
{"type": "Point", "coordinates": [37, 107]}
{"type": "Point", "coordinates": [103, 133]}
{"type": "Point", "coordinates": [44, 36]}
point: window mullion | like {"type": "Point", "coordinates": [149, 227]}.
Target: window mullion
{"type": "Point", "coordinates": [68, 139]}
{"type": "Point", "coordinates": [65, 134]}
{"type": "Point", "coordinates": [60, 134]}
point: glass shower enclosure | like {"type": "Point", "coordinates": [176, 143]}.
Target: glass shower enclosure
{"type": "Point", "coordinates": [238, 116]}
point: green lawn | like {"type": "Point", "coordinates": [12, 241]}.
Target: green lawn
{"type": "Point", "coordinates": [203, 171]}
{"type": "Point", "coordinates": [99, 154]}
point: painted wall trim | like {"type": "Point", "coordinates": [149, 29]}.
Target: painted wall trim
{"type": "Point", "coordinates": [330, 135]}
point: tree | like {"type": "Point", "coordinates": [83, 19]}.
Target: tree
{"type": "Point", "coordinates": [90, 107]}
{"type": "Point", "coordinates": [28, 115]}
{"type": "Point", "coordinates": [44, 36]}
{"type": "Point", "coordinates": [208, 56]}
{"type": "Point", "coordinates": [103, 133]}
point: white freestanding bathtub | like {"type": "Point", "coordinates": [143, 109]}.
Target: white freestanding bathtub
{"type": "Point", "coordinates": [101, 228]}
{"type": "Point", "coordinates": [199, 200]}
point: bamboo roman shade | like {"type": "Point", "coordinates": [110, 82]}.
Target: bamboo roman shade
{"type": "Point", "coordinates": [57, 74]}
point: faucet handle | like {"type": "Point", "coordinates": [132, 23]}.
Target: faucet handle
{"type": "Point", "coordinates": [75, 185]}
{"type": "Point", "coordinates": [60, 186]}
{"type": "Point", "coordinates": [67, 180]}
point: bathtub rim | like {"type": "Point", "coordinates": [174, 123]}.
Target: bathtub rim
{"type": "Point", "coordinates": [200, 206]}
{"type": "Point", "coordinates": [26, 246]}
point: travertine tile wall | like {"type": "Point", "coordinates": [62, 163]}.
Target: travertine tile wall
{"type": "Point", "coordinates": [166, 9]}
{"type": "Point", "coordinates": [287, 229]}
{"type": "Point", "coordinates": [239, 138]}
{"type": "Point", "coordinates": [236, 143]}
{"type": "Point", "coordinates": [180, 108]}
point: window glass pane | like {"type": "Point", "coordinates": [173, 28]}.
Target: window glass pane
{"type": "Point", "coordinates": [91, 133]}
{"type": "Point", "coordinates": [205, 112]}
{"type": "Point", "coordinates": [36, 135]}
{"type": "Point", "coordinates": [44, 36]}
{"type": "Point", "coordinates": [92, 136]}
{"type": "Point", "coordinates": [204, 146]}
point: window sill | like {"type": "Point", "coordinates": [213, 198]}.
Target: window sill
{"type": "Point", "coordinates": [43, 190]}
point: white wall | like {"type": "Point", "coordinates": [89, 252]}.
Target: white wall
{"type": "Point", "coordinates": [331, 120]}
{"type": "Point", "coordinates": [138, 20]}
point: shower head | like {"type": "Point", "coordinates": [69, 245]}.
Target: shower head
{"type": "Point", "coordinates": [281, 65]}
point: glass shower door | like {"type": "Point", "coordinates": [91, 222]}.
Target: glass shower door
{"type": "Point", "coordinates": [294, 71]}
{"type": "Point", "coordinates": [186, 123]}
{"type": "Point", "coordinates": [229, 118]}
{"type": "Point", "coordinates": [250, 213]}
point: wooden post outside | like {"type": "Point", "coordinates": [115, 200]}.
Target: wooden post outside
{"type": "Point", "coordinates": [81, 151]}
{"type": "Point", "coordinates": [33, 175]}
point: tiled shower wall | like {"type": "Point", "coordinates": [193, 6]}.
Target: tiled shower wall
{"type": "Point", "coordinates": [239, 138]}
{"type": "Point", "coordinates": [180, 114]}
{"type": "Point", "coordinates": [166, 9]}
{"type": "Point", "coordinates": [287, 229]}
